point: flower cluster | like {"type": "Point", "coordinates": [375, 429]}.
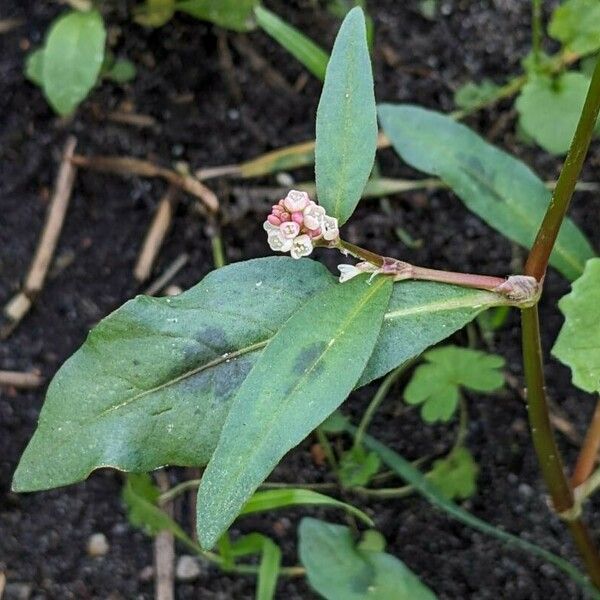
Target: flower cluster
{"type": "Point", "coordinates": [296, 223]}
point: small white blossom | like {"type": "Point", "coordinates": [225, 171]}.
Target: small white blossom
{"type": "Point", "coordinates": [296, 201]}
{"type": "Point", "coordinates": [301, 246]}
{"type": "Point", "coordinates": [347, 272]}
{"type": "Point", "coordinates": [289, 230]}
{"type": "Point", "coordinates": [278, 243]}
{"type": "Point", "coordinates": [269, 227]}
{"type": "Point", "coordinates": [313, 215]}
{"type": "Point", "coordinates": [329, 227]}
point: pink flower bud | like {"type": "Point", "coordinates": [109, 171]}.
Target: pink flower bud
{"type": "Point", "coordinates": [298, 217]}
{"type": "Point", "coordinates": [284, 216]}
{"type": "Point", "coordinates": [314, 233]}
{"type": "Point", "coordinates": [274, 220]}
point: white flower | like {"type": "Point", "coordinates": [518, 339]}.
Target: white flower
{"type": "Point", "coordinates": [347, 272]}
{"type": "Point", "coordinates": [329, 226]}
{"type": "Point", "coordinates": [301, 246]}
{"type": "Point", "coordinates": [313, 214]}
{"type": "Point", "coordinates": [289, 230]}
{"type": "Point", "coordinates": [278, 243]}
{"type": "Point", "coordinates": [269, 227]}
{"type": "Point", "coordinates": [296, 201]}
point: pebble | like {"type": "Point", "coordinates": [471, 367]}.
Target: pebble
{"type": "Point", "coordinates": [97, 545]}
{"type": "Point", "coordinates": [187, 568]}
{"type": "Point", "coordinates": [146, 574]}
{"type": "Point", "coordinates": [17, 591]}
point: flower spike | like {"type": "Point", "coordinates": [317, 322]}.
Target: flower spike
{"type": "Point", "coordinates": [296, 223]}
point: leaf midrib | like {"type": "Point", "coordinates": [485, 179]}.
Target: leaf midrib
{"type": "Point", "coordinates": [275, 415]}
{"type": "Point", "coordinates": [506, 200]}
{"type": "Point", "coordinates": [484, 300]}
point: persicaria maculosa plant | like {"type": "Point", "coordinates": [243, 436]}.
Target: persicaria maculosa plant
{"type": "Point", "coordinates": [236, 371]}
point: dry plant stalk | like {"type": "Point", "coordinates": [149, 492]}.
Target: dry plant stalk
{"type": "Point", "coordinates": [156, 234]}
{"type": "Point", "coordinates": [20, 304]}
{"type": "Point", "coordinates": [170, 272]}
{"type": "Point", "coordinates": [20, 379]}
{"type": "Point", "coordinates": [164, 550]}
{"type": "Point", "coordinates": [127, 165]}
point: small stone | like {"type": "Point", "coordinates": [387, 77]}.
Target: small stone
{"type": "Point", "coordinates": [17, 591]}
{"type": "Point", "coordinates": [98, 545]}
{"type": "Point", "coordinates": [146, 574]}
{"type": "Point", "coordinates": [187, 568]}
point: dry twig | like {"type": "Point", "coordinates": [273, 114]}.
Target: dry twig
{"type": "Point", "coordinates": [127, 165]}
{"type": "Point", "coordinates": [164, 551]}
{"type": "Point", "coordinates": [20, 304]}
{"type": "Point", "coordinates": [19, 379]}
{"type": "Point", "coordinates": [168, 274]}
{"type": "Point", "coordinates": [156, 234]}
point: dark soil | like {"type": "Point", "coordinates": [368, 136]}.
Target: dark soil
{"type": "Point", "coordinates": [181, 84]}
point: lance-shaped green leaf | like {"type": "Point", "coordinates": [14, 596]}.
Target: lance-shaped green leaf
{"type": "Point", "coordinates": [346, 121]}
{"type": "Point", "coordinates": [578, 343]}
{"type": "Point", "coordinates": [421, 314]}
{"type": "Point", "coordinates": [307, 370]}
{"type": "Point", "coordinates": [153, 382]}
{"type": "Point", "coordinates": [268, 500]}
{"type": "Point", "coordinates": [72, 59]}
{"type": "Point", "coordinates": [500, 189]}
{"type": "Point", "coordinates": [231, 14]}
{"type": "Point", "coordinates": [313, 57]}
{"type": "Point", "coordinates": [339, 569]}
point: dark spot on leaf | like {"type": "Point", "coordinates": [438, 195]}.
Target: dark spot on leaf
{"type": "Point", "coordinates": [136, 362]}
{"type": "Point", "coordinates": [229, 379]}
{"type": "Point", "coordinates": [307, 358]}
{"type": "Point", "coordinates": [213, 338]}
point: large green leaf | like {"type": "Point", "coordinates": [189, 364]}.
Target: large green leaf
{"type": "Point", "coordinates": [339, 569]}
{"type": "Point", "coordinates": [73, 57]}
{"type": "Point", "coordinates": [420, 314]}
{"type": "Point", "coordinates": [576, 23]}
{"type": "Point", "coordinates": [549, 109]}
{"type": "Point", "coordinates": [230, 14]}
{"type": "Point", "coordinates": [153, 382]}
{"type": "Point", "coordinates": [578, 343]}
{"type": "Point", "coordinates": [502, 190]}
{"type": "Point", "coordinates": [307, 370]}
{"type": "Point", "coordinates": [296, 43]}
{"type": "Point", "coordinates": [346, 121]}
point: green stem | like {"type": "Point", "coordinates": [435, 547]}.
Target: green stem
{"type": "Point", "coordinates": [537, 261]}
{"type": "Point", "coordinates": [545, 443]}
{"type": "Point", "coordinates": [397, 492]}
{"type": "Point", "coordinates": [218, 250]}
{"type": "Point", "coordinates": [536, 29]}
{"type": "Point", "coordinates": [378, 398]}
{"type": "Point", "coordinates": [326, 446]}
{"type": "Point", "coordinates": [463, 426]}
{"type": "Point", "coordinates": [539, 414]}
